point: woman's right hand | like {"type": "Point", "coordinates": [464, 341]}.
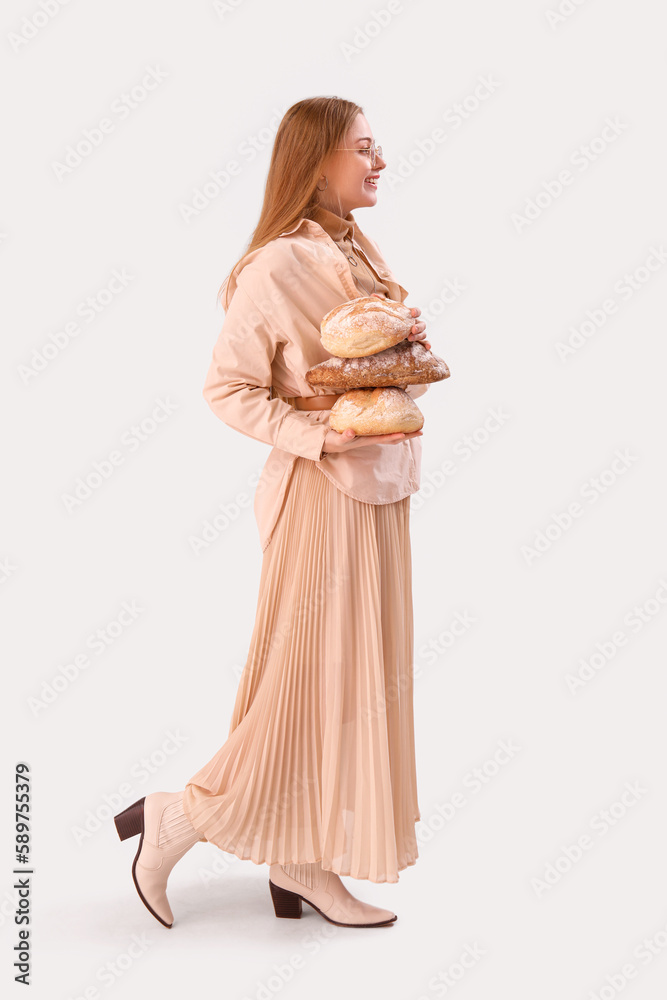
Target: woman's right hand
{"type": "Point", "coordinates": [335, 442]}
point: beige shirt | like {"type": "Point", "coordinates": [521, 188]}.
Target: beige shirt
{"type": "Point", "coordinates": [270, 337]}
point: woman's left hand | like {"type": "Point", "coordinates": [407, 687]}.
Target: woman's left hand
{"type": "Point", "coordinates": [417, 331]}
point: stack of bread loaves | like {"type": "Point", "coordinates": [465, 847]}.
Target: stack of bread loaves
{"type": "Point", "coordinates": [372, 358]}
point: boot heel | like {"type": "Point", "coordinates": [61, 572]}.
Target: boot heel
{"type": "Point", "coordinates": [130, 821]}
{"type": "Point", "coordinates": [285, 903]}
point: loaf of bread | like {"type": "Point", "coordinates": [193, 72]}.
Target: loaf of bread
{"type": "Point", "coordinates": [376, 411]}
{"type": "Point", "coordinates": [364, 326]}
{"type": "Point", "coordinates": [407, 363]}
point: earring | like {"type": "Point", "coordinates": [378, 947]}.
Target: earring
{"type": "Point", "coordinates": [326, 185]}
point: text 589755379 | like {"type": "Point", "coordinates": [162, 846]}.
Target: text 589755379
{"type": "Point", "coordinates": [22, 885]}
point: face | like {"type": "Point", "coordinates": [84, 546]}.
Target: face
{"type": "Point", "coordinates": [351, 178]}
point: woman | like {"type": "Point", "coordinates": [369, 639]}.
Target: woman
{"type": "Point", "coordinates": [317, 778]}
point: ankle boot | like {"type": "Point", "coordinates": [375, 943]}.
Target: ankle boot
{"type": "Point", "coordinates": [166, 835]}
{"type": "Point", "coordinates": [324, 891]}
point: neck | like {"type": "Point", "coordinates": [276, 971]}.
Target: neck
{"type": "Point", "coordinates": [335, 210]}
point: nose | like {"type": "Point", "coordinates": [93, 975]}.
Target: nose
{"type": "Point", "coordinates": [380, 164]}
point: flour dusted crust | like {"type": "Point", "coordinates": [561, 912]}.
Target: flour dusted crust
{"type": "Point", "coordinates": [407, 363]}
{"type": "Point", "coordinates": [364, 326]}
{"type": "Point", "coordinates": [383, 410]}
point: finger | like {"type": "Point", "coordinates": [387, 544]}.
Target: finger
{"type": "Point", "coordinates": [382, 438]}
{"type": "Point", "coordinates": [393, 438]}
{"type": "Point", "coordinates": [414, 311]}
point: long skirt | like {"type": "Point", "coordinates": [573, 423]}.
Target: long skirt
{"type": "Point", "coordinates": [319, 764]}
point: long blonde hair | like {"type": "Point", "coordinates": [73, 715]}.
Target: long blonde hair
{"type": "Point", "coordinates": [307, 135]}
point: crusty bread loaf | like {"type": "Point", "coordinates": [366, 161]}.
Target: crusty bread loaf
{"type": "Point", "coordinates": [376, 411]}
{"type": "Point", "coordinates": [364, 326]}
{"type": "Point", "coordinates": [407, 363]}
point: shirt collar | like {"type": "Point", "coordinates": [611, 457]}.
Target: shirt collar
{"type": "Point", "coordinates": [334, 226]}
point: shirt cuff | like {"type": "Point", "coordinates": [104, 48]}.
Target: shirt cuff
{"type": "Point", "coordinates": [301, 434]}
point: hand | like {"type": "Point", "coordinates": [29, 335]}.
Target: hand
{"type": "Point", "coordinates": [417, 331]}
{"type": "Point", "coordinates": [335, 442]}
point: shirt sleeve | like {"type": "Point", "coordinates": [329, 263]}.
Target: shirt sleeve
{"type": "Point", "coordinates": [238, 384]}
{"type": "Point", "coordinates": [417, 390]}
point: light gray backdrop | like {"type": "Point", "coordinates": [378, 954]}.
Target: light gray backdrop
{"type": "Point", "coordinates": [523, 207]}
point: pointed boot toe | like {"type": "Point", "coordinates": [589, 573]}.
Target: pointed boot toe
{"type": "Point", "coordinates": [292, 885]}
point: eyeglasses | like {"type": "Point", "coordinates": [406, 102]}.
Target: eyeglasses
{"type": "Point", "coordinates": [374, 151]}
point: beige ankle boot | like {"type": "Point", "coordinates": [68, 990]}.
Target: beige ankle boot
{"type": "Point", "coordinates": [324, 891]}
{"type": "Point", "coordinates": [166, 835]}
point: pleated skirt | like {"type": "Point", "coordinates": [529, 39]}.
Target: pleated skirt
{"type": "Point", "coordinates": [319, 763]}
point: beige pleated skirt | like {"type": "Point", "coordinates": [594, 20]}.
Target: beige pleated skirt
{"type": "Point", "coordinates": [319, 764]}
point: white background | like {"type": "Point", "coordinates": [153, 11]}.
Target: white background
{"type": "Point", "coordinates": [540, 608]}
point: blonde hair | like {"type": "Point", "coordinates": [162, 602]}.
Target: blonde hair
{"type": "Point", "coordinates": [307, 135]}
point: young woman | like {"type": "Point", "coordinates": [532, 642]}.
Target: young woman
{"type": "Point", "coordinates": [317, 778]}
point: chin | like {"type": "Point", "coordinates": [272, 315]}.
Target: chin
{"type": "Point", "coordinates": [370, 198]}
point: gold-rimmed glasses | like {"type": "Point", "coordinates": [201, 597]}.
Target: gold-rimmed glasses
{"type": "Point", "coordinates": [373, 150]}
